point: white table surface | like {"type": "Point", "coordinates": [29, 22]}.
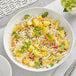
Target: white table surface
{"type": "Point", "coordinates": [59, 71]}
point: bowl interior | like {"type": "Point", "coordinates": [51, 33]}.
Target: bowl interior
{"type": "Point", "coordinates": [35, 12]}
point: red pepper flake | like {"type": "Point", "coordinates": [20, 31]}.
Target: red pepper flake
{"type": "Point", "coordinates": [32, 58]}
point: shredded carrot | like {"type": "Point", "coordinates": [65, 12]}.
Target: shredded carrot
{"type": "Point", "coordinates": [23, 60]}
{"type": "Point", "coordinates": [12, 42]}
{"type": "Point", "coordinates": [45, 41]}
{"type": "Point", "coordinates": [22, 29]}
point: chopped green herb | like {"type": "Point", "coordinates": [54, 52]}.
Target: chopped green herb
{"type": "Point", "coordinates": [65, 10]}
{"type": "Point", "coordinates": [62, 46]}
{"type": "Point", "coordinates": [52, 54]}
{"type": "Point", "coordinates": [28, 44]}
{"type": "Point", "coordinates": [49, 36]}
{"type": "Point", "coordinates": [26, 16]}
{"type": "Point", "coordinates": [60, 28]}
{"type": "Point", "coordinates": [44, 15]}
{"type": "Point", "coordinates": [37, 65]}
{"type": "Point", "coordinates": [52, 65]}
{"type": "Point", "coordinates": [22, 49]}
{"type": "Point", "coordinates": [16, 35]}
{"type": "Point", "coordinates": [37, 31]}
{"type": "Point", "coordinates": [58, 61]}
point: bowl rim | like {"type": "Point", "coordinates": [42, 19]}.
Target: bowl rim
{"type": "Point", "coordinates": [7, 64]}
{"type": "Point", "coordinates": [38, 70]}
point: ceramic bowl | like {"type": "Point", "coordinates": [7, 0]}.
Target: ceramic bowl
{"type": "Point", "coordinates": [36, 12]}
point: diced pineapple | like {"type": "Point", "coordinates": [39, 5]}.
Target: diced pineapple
{"type": "Point", "coordinates": [25, 61]}
{"type": "Point", "coordinates": [62, 33]}
{"type": "Point", "coordinates": [30, 49]}
{"type": "Point", "coordinates": [53, 38]}
{"type": "Point", "coordinates": [44, 53]}
{"type": "Point", "coordinates": [35, 45]}
{"type": "Point", "coordinates": [16, 53]}
{"type": "Point", "coordinates": [53, 57]}
{"type": "Point", "coordinates": [43, 49]}
{"type": "Point", "coordinates": [41, 25]}
{"type": "Point", "coordinates": [45, 29]}
{"type": "Point", "coordinates": [66, 44]}
{"type": "Point", "coordinates": [18, 27]}
{"type": "Point", "coordinates": [29, 23]}
{"type": "Point", "coordinates": [33, 34]}
{"type": "Point", "coordinates": [37, 23]}
{"type": "Point", "coordinates": [56, 23]}
{"type": "Point", "coordinates": [59, 39]}
{"type": "Point", "coordinates": [36, 53]}
{"type": "Point", "coordinates": [46, 23]}
{"type": "Point", "coordinates": [22, 25]}
{"type": "Point", "coordinates": [31, 64]}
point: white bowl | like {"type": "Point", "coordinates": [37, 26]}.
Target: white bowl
{"type": "Point", "coordinates": [36, 12]}
{"type": "Point", "coordinates": [5, 68]}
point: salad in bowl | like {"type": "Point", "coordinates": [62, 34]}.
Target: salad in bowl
{"type": "Point", "coordinates": [39, 40]}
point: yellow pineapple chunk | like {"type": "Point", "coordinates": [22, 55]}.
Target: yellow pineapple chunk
{"type": "Point", "coordinates": [31, 64]}
{"type": "Point", "coordinates": [43, 49]}
{"type": "Point", "coordinates": [16, 53]}
{"type": "Point", "coordinates": [53, 58]}
{"type": "Point", "coordinates": [40, 25]}
{"type": "Point", "coordinates": [62, 33]}
{"type": "Point", "coordinates": [45, 29]}
{"type": "Point", "coordinates": [25, 61]}
{"type": "Point", "coordinates": [37, 23]}
{"type": "Point", "coordinates": [44, 53]}
{"type": "Point", "coordinates": [66, 44]}
{"type": "Point", "coordinates": [36, 53]}
{"type": "Point", "coordinates": [30, 49]}
{"type": "Point", "coordinates": [29, 23]}
{"type": "Point", "coordinates": [46, 23]}
{"type": "Point", "coordinates": [35, 45]}
{"type": "Point", "coordinates": [56, 23]}
{"type": "Point", "coordinates": [53, 38]}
